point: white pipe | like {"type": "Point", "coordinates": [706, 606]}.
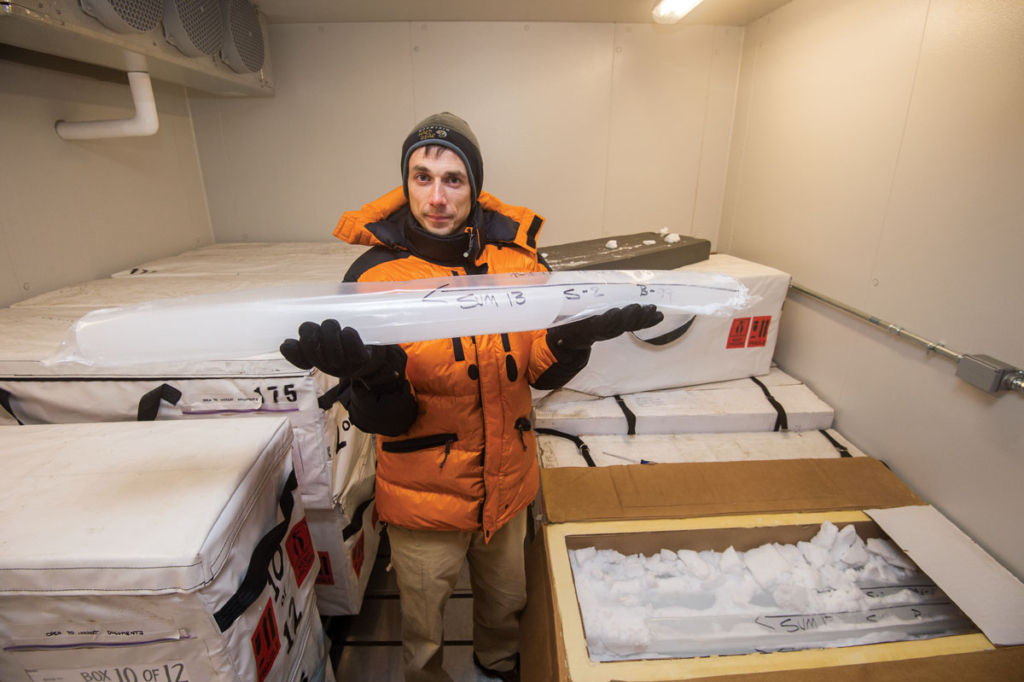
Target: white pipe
{"type": "Point", "coordinates": [144, 122]}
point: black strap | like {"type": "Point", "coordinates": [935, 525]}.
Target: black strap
{"type": "Point", "coordinates": [357, 521]}
{"type": "Point", "coordinates": [149, 404]}
{"type": "Point", "coordinates": [843, 452]}
{"type": "Point", "coordinates": [5, 402]}
{"type": "Point", "coordinates": [669, 336]}
{"type": "Point", "coordinates": [630, 417]}
{"type": "Point", "coordinates": [259, 563]}
{"type": "Point", "coordinates": [782, 421]}
{"type": "Point", "coordinates": [580, 445]}
{"type": "Point", "coordinates": [332, 396]}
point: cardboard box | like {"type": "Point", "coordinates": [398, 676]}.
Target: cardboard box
{"type": "Point", "coordinates": [686, 350]}
{"type": "Point", "coordinates": [739, 503]}
{"type": "Point", "coordinates": [721, 407]}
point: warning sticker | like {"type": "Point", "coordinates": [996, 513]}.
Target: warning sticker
{"type": "Point", "coordinates": [300, 550]}
{"type": "Point", "coordinates": [326, 575]}
{"type": "Point", "coordinates": [358, 551]}
{"type": "Point", "coordinates": [759, 332]}
{"type": "Point", "coordinates": [738, 333]}
{"type": "Point", "coordinates": [266, 643]}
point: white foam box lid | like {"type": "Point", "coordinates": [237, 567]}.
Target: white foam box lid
{"type": "Point", "coordinates": [627, 365]}
{"type": "Point", "coordinates": [324, 259]}
{"type": "Point", "coordinates": [147, 508]}
{"type": "Point", "coordinates": [555, 451]}
{"type": "Point", "coordinates": [726, 406]}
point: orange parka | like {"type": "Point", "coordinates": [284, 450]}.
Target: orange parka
{"type": "Point", "coordinates": [468, 462]}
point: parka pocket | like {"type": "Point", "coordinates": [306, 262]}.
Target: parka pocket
{"type": "Point", "coordinates": [423, 443]}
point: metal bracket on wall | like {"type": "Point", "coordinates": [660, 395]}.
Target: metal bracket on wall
{"type": "Point", "coordinates": [982, 371]}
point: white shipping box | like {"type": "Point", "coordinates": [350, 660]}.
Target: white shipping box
{"type": "Point", "coordinates": [774, 402]}
{"type": "Point", "coordinates": [322, 259]}
{"type": "Point", "coordinates": [694, 350]}
{"type": "Point", "coordinates": [334, 461]}
{"type": "Point", "coordinates": [555, 451]}
{"type": "Point", "coordinates": [164, 551]}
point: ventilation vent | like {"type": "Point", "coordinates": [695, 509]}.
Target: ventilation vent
{"type": "Point", "coordinates": [243, 37]}
{"type": "Point", "coordinates": [193, 26]}
{"type": "Point", "coordinates": [125, 16]}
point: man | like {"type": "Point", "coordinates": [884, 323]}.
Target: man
{"type": "Point", "coordinates": [457, 465]}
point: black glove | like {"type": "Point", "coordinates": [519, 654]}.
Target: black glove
{"type": "Point", "coordinates": [583, 334]}
{"type": "Point", "coordinates": [341, 353]}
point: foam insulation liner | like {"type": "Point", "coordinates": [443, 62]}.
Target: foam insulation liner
{"type": "Point", "coordinates": [774, 402]}
{"type": "Point", "coordinates": [186, 558]}
{"type": "Point", "coordinates": [334, 461]}
{"type": "Point", "coordinates": [948, 611]}
{"type": "Point", "coordinates": [685, 350]}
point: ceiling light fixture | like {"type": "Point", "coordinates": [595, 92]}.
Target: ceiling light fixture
{"type": "Point", "coordinates": [671, 11]}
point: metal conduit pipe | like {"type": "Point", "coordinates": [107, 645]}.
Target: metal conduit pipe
{"type": "Point", "coordinates": [982, 371]}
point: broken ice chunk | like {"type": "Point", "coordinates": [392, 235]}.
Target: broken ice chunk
{"type": "Point", "coordinates": [611, 244]}
{"type": "Point", "coordinates": [826, 537]}
{"type": "Point", "coordinates": [693, 562]}
{"type": "Point", "coordinates": [586, 554]}
{"type": "Point", "coordinates": [766, 564]}
{"type": "Point", "coordinates": [668, 556]}
{"type": "Point", "coordinates": [856, 555]}
{"type": "Point", "coordinates": [791, 597]}
{"type": "Point", "coordinates": [672, 238]}
{"type": "Point", "coordinates": [663, 230]}
{"type": "Point", "coordinates": [731, 561]}
{"type": "Point", "coordinates": [890, 553]}
{"type": "Point", "coordinates": [816, 555]}
{"type": "Point", "coordinates": [650, 242]}
{"type": "Point", "coordinates": [844, 540]}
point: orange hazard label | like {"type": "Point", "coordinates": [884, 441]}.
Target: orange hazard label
{"type": "Point", "coordinates": [358, 550]}
{"type": "Point", "coordinates": [266, 643]}
{"type": "Point", "coordinates": [326, 575]}
{"type": "Point", "coordinates": [759, 332]}
{"type": "Point", "coordinates": [300, 550]}
{"type": "Point", "coordinates": [738, 333]}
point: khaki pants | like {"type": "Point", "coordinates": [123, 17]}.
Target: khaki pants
{"type": "Point", "coordinates": [427, 564]}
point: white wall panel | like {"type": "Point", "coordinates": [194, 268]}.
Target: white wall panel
{"type": "Point", "coordinates": [822, 135]}
{"type": "Point", "coordinates": [537, 98]}
{"type": "Point", "coordinates": [285, 168]}
{"type": "Point", "coordinates": [591, 138]}
{"type": "Point", "coordinates": [79, 210]}
{"type": "Point", "coordinates": [659, 114]}
{"type": "Point", "coordinates": [878, 157]}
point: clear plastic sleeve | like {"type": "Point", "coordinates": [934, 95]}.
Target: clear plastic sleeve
{"type": "Point", "coordinates": [251, 323]}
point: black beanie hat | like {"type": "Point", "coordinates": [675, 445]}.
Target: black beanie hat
{"type": "Point", "coordinates": [450, 131]}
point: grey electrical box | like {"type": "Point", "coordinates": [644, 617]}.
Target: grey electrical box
{"type": "Point", "coordinates": [984, 371]}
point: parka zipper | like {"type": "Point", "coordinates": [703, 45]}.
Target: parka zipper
{"type": "Point", "coordinates": [422, 443]}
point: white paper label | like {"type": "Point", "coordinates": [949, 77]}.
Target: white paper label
{"type": "Point", "coordinates": [169, 671]}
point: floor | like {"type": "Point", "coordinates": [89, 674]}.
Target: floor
{"type": "Point", "coordinates": [368, 646]}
